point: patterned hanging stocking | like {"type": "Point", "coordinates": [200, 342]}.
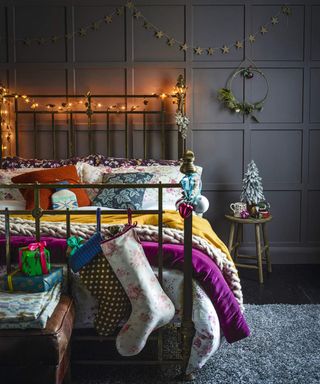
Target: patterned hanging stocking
{"type": "Point", "coordinates": [151, 307]}
{"type": "Point", "coordinates": [103, 284]}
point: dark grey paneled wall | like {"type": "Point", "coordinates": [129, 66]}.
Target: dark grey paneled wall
{"type": "Point", "coordinates": [123, 57]}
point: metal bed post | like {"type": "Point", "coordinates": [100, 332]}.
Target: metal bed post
{"type": "Point", "coordinates": [37, 210]}
{"type": "Point", "coordinates": [7, 235]}
{"type": "Point", "coordinates": [160, 262]}
{"type": "Point", "coordinates": [187, 326]}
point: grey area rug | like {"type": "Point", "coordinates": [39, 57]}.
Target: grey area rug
{"type": "Point", "coordinates": [284, 347]}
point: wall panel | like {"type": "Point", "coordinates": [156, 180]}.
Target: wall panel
{"type": "Point", "coordinates": [314, 95]}
{"type": "Point", "coordinates": [287, 43]}
{"type": "Point", "coordinates": [207, 109]}
{"type": "Point", "coordinates": [172, 21]}
{"type": "Point", "coordinates": [35, 22]}
{"type": "Point", "coordinates": [107, 43]}
{"type": "Point", "coordinates": [211, 24]}
{"type": "Point", "coordinates": [314, 157]}
{"type": "Point", "coordinates": [284, 165]}
{"type": "Point", "coordinates": [315, 32]}
{"type": "Point", "coordinates": [3, 35]}
{"type": "Point", "coordinates": [284, 103]}
{"type": "Point", "coordinates": [214, 150]}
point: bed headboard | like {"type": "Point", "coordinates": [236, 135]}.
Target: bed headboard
{"type": "Point", "coordinates": [63, 126]}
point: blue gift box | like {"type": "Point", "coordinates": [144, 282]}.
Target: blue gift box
{"type": "Point", "coordinates": [24, 283]}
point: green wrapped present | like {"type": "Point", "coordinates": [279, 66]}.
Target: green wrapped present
{"type": "Point", "coordinates": [34, 260]}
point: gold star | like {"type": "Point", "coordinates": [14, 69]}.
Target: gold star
{"type": "Point", "coordinates": [146, 25]}
{"type": "Point", "coordinates": [137, 15]}
{"type": "Point", "coordinates": [198, 51]}
{"type": "Point", "coordinates": [41, 41]}
{"type": "Point", "coordinates": [82, 32]}
{"type": "Point", "coordinates": [130, 4]}
{"type": "Point", "coordinates": [159, 34]}
{"type": "Point", "coordinates": [252, 38]}
{"type": "Point", "coordinates": [54, 39]}
{"type": "Point", "coordinates": [263, 30]}
{"type": "Point", "coordinates": [183, 47]}
{"type": "Point", "coordinates": [286, 10]}
{"type": "Point", "coordinates": [108, 19]}
{"type": "Point", "coordinates": [274, 20]}
{"type": "Point", "coordinates": [239, 44]}
{"type": "Point", "coordinates": [170, 41]}
{"type": "Point", "coordinates": [27, 42]}
{"type": "Point", "coordinates": [95, 26]}
{"type": "Point", "coordinates": [210, 51]}
{"type": "Point", "coordinates": [225, 49]}
{"type": "Point", "coordinates": [119, 11]}
{"type": "Point", "coordinates": [69, 36]}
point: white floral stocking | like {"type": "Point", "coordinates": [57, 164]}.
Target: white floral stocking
{"type": "Point", "coordinates": [151, 307]}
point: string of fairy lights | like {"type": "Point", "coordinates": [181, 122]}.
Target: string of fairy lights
{"type": "Point", "coordinates": [159, 33]}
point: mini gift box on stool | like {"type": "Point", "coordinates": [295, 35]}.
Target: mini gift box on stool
{"type": "Point", "coordinates": [34, 260]}
{"type": "Point", "coordinates": [18, 281]}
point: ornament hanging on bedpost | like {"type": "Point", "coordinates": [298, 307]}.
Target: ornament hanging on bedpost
{"type": "Point", "coordinates": [191, 199]}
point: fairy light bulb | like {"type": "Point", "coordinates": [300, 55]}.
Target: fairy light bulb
{"type": "Point", "coordinates": [99, 105]}
{"type": "Point", "coordinates": [163, 96]}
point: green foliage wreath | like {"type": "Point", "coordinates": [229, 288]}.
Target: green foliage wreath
{"type": "Point", "coordinates": [226, 96]}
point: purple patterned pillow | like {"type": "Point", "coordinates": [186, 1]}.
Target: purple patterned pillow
{"type": "Point", "coordinates": [20, 162]}
{"type": "Point", "coordinates": [114, 162]}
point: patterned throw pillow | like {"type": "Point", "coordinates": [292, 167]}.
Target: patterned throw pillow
{"type": "Point", "coordinates": [122, 198]}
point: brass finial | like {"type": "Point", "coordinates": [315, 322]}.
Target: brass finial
{"type": "Point", "coordinates": [188, 163]}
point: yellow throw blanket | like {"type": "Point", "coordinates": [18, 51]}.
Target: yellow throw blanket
{"type": "Point", "coordinates": [171, 219]}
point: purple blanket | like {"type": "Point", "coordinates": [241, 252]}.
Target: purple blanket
{"type": "Point", "coordinates": [205, 271]}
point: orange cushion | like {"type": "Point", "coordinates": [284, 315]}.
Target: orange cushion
{"type": "Point", "coordinates": [51, 175]}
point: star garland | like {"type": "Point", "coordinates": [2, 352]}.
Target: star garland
{"type": "Point", "coordinates": [159, 33]}
{"type": "Point", "coordinates": [198, 50]}
{"type": "Point", "coordinates": [83, 31]}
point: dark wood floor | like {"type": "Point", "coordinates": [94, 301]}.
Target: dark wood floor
{"type": "Point", "coordinates": [287, 284]}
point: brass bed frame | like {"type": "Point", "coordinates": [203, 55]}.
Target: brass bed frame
{"type": "Point", "coordinates": [186, 331]}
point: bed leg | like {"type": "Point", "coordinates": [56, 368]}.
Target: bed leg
{"type": "Point", "coordinates": [187, 333]}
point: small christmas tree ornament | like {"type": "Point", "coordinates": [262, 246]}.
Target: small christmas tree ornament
{"type": "Point", "coordinates": [252, 190]}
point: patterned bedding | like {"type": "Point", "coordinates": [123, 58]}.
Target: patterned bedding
{"type": "Point", "coordinates": [27, 310]}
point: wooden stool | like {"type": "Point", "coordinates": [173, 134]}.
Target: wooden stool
{"type": "Point", "coordinates": [235, 240]}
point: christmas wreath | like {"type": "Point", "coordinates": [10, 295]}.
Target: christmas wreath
{"type": "Point", "coordinates": [226, 96]}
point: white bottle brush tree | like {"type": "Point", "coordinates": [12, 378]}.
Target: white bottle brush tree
{"type": "Point", "coordinates": [252, 190]}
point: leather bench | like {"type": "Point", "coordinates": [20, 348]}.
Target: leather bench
{"type": "Point", "coordinates": [39, 356]}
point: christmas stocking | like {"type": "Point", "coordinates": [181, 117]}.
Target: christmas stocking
{"type": "Point", "coordinates": [103, 284]}
{"type": "Point", "coordinates": [151, 307]}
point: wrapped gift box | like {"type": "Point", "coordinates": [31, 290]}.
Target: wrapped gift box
{"type": "Point", "coordinates": [34, 260]}
{"type": "Point", "coordinates": [18, 281]}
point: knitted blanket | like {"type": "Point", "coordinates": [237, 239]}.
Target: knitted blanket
{"type": "Point", "coordinates": [23, 226]}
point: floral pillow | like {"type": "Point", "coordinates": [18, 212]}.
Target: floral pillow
{"type": "Point", "coordinates": [122, 198]}
{"type": "Point", "coordinates": [91, 175]}
{"type": "Point", "coordinates": [163, 174]}
{"type": "Point", "coordinates": [5, 178]}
